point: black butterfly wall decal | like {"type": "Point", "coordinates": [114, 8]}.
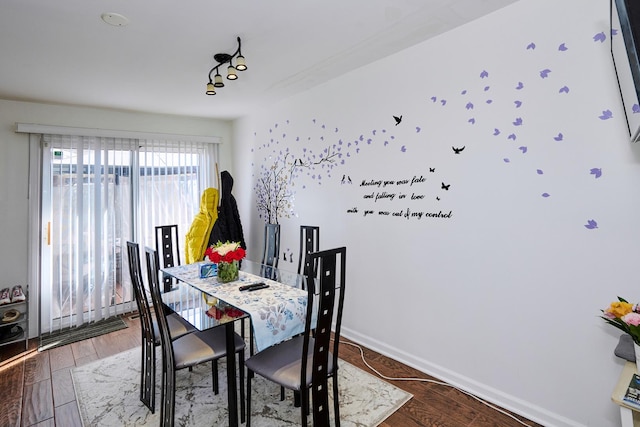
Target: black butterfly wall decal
{"type": "Point", "coordinates": [457, 150]}
{"type": "Point", "coordinates": [432, 169]}
{"type": "Point", "coordinates": [437, 198]}
{"type": "Point", "coordinates": [397, 119]}
{"type": "Point", "coordinates": [445, 186]}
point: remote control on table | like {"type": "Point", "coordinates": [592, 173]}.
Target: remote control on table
{"type": "Point", "coordinates": [249, 287]}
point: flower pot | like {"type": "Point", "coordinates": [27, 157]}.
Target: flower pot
{"type": "Point", "coordinates": [228, 272]}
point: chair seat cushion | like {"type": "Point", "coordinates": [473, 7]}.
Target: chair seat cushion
{"type": "Point", "coordinates": [281, 363]}
{"type": "Point", "coordinates": [202, 346]}
{"type": "Point", "coordinates": [177, 327]}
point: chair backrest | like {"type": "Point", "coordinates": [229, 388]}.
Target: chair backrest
{"type": "Point", "coordinates": [271, 251]}
{"type": "Point", "coordinates": [168, 249]}
{"type": "Point", "coordinates": [168, 359]}
{"type": "Point", "coordinates": [325, 290]}
{"type": "Point", "coordinates": [309, 243]}
{"type": "Point", "coordinates": [144, 311]}
{"type": "Point", "coordinates": [154, 286]}
{"type": "Point", "coordinates": [167, 245]}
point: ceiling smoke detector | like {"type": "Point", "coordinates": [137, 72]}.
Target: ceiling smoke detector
{"type": "Point", "coordinates": [115, 19]}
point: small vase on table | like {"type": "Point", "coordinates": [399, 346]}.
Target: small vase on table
{"type": "Point", "coordinates": [227, 271]}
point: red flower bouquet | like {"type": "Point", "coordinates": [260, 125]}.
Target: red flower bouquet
{"type": "Point", "coordinates": [225, 252]}
{"type": "Point", "coordinates": [226, 255]}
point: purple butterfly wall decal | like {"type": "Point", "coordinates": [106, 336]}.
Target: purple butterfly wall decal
{"type": "Point", "coordinates": [600, 37]}
{"type": "Point", "coordinates": [606, 115]}
{"type": "Point", "coordinates": [591, 224]}
{"type": "Point", "coordinates": [545, 73]}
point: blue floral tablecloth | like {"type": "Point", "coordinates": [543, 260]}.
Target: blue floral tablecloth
{"type": "Point", "coordinates": [277, 312]}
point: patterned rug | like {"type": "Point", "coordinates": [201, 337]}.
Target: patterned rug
{"type": "Point", "coordinates": [108, 394]}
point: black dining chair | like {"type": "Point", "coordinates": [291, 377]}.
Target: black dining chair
{"type": "Point", "coordinates": [271, 250]}
{"type": "Point", "coordinates": [168, 249]}
{"type": "Point", "coordinates": [150, 333]}
{"type": "Point", "coordinates": [309, 243]}
{"type": "Point", "coordinates": [307, 361]}
{"type": "Point", "coordinates": [188, 350]}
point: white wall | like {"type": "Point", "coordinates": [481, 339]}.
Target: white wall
{"type": "Point", "coordinates": [14, 163]}
{"type": "Point", "coordinates": [502, 298]}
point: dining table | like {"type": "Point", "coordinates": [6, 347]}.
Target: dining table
{"type": "Point", "coordinates": [277, 310]}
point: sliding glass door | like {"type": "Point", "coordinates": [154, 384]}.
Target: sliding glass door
{"type": "Point", "coordinates": [98, 193]}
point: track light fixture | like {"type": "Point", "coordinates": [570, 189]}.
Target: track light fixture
{"type": "Point", "coordinates": [223, 58]}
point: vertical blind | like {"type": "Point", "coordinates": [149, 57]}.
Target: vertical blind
{"type": "Point", "coordinates": [105, 191]}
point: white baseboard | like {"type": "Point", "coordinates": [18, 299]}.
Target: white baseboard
{"type": "Point", "coordinates": [491, 395]}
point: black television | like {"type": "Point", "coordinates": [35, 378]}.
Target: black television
{"type": "Point", "coordinates": [625, 18]}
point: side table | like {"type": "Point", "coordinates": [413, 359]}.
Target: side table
{"type": "Point", "coordinates": [629, 415]}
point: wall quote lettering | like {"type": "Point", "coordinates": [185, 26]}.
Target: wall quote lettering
{"type": "Point", "coordinates": [398, 198]}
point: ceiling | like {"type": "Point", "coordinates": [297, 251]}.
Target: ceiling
{"type": "Point", "coordinates": [61, 52]}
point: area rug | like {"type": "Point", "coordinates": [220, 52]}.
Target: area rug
{"type": "Point", "coordinates": [79, 333]}
{"type": "Point", "coordinates": [108, 394]}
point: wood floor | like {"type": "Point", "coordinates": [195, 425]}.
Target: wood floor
{"type": "Point", "coordinates": [36, 387]}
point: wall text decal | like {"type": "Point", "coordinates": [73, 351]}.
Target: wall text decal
{"type": "Point", "coordinates": [383, 195]}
